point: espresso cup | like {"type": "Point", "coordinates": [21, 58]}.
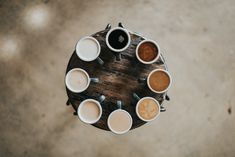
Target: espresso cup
{"type": "Point", "coordinates": [77, 80]}
{"type": "Point", "coordinates": [147, 108]}
{"type": "Point", "coordinates": [120, 121]}
{"type": "Point", "coordinates": [90, 110]}
{"type": "Point", "coordinates": [147, 51]}
{"type": "Point", "coordinates": [118, 39]}
{"type": "Point", "coordinates": [88, 49]}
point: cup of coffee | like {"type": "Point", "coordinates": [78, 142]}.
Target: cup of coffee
{"type": "Point", "coordinates": [147, 51]}
{"type": "Point", "coordinates": [118, 39]}
{"type": "Point", "coordinates": [77, 80]}
{"type": "Point", "coordinates": [119, 121]}
{"type": "Point", "coordinates": [90, 110]}
{"type": "Point", "coordinates": [147, 108]}
{"type": "Point", "coordinates": [88, 49]}
{"type": "Point", "coordinates": [159, 81]}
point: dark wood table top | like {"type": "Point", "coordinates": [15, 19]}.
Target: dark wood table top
{"type": "Point", "coordinates": [118, 79]}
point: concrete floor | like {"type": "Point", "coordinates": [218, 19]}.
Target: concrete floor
{"type": "Point", "coordinates": [197, 38]}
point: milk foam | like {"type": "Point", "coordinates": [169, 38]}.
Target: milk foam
{"type": "Point", "coordinates": [77, 80]}
{"type": "Point", "coordinates": [87, 49]}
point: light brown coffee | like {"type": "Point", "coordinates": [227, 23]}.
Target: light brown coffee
{"type": "Point", "coordinates": [148, 109]}
{"type": "Point", "coordinates": [159, 81]}
{"type": "Point", "coordinates": [147, 51]}
{"type": "Point", "coordinates": [90, 111]}
{"type": "Point", "coordinates": [77, 80]}
{"type": "Point", "coordinates": [120, 121]}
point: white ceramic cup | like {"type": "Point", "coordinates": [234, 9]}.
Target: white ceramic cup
{"type": "Point", "coordinates": [160, 109]}
{"type": "Point", "coordinates": [81, 114]}
{"type": "Point", "coordinates": [148, 83]}
{"type": "Point", "coordinates": [137, 49]}
{"type": "Point", "coordinates": [119, 104]}
{"type": "Point", "coordinates": [68, 80]}
{"type": "Point", "coordinates": [121, 29]}
{"type": "Point", "coordinates": [88, 49]}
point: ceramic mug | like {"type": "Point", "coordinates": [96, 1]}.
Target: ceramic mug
{"type": "Point", "coordinates": [120, 121]}
{"type": "Point", "coordinates": [90, 110]}
{"type": "Point", "coordinates": [158, 86]}
{"type": "Point", "coordinates": [118, 39]}
{"type": "Point", "coordinates": [77, 80]}
{"type": "Point", "coordinates": [88, 49]}
{"type": "Point", "coordinates": [147, 51]}
{"type": "Point", "coordinates": [147, 108]}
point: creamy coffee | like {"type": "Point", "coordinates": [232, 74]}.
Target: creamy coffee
{"type": "Point", "coordinates": [89, 111]}
{"type": "Point", "coordinates": [148, 109]}
{"type": "Point", "coordinates": [159, 80]}
{"type": "Point", "coordinates": [87, 49]}
{"type": "Point", "coordinates": [120, 121]}
{"type": "Point", "coordinates": [77, 80]}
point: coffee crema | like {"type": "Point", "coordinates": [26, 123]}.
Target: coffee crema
{"type": "Point", "coordinates": [159, 81]}
{"type": "Point", "coordinates": [120, 121]}
{"type": "Point", "coordinates": [147, 51]}
{"type": "Point", "coordinates": [90, 111]}
{"type": "Point", "coordinates": [148, 109]}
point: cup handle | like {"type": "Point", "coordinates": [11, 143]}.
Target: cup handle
{"type": "Point", "coordinates": [120, 25]}
{"type": "Point", "coordinates": [162, 109]}
{"type": "Point", "coordinates": [95, 80]}
{"type": "Point", "coordinates": [100, 61]}
{"type": "Point", "coordinates": [101, 98]}
{"type": "Point", "coordinates": [118, 56]}
{"type": "Point", "coordinates": [136, 96]}
{"type": "Point", "coordinates": [108, 26]}
{"type": "Point", "coordinates": [167, 98]}
{"type": "Point", "coordinates": [119, 104]}
{"type": "Point", "coordinates": [142, 80]}
{"type": "Point", "coordinates": [68, 102]}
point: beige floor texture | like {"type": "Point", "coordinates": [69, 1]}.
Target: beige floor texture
{"type": "Point", "coordinates": [37, 39]}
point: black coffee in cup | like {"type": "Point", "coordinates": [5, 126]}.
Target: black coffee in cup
{"type": "Point", "coordinates": [118, 39]}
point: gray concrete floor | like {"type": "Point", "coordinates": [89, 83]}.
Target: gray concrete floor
{"type": "Point", "coordinates": [197, 38]}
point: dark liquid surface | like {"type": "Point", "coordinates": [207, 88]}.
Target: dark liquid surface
{"type": "Point", "coordinates": [147, 51]}
{"type": "Point", "coordinates": [118, 39]}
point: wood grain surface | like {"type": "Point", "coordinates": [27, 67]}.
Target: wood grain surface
{"type": "Point", "coordinates": [118, 79]}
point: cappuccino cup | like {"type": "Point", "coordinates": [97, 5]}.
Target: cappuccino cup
{"type": "Point", "coordinates": [77, 80]}
{"type": "Point", "coordinates": [147, 108]}
{"type": "Point", "coordinates": [118, 39]}
{"type": "Point", "coordinates": [88, 49]}
{"type": "Point", "coordinates": [90, 110]}
{"type": "Point", "coordinates": [147, 51]}
{"type": "Point", "coordinates": [119, 121]}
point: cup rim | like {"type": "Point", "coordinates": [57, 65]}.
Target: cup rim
{"type": "Point", "coordinates": [138, 103]}
{"type": "Point", "coordinates": [82, 104]}
{"type": "Point", "coordinates": [122, 132]}
{"type": "Point", "coordinates": [159, 92]}
{"type": "Point", "coordinates": [151, 41]}
{"type": "Point", "coordinates": [128, 36]}
{"type": "Point", "coordinates": [77, 46]}
{"type": "Point", "coordinates": [67, 81]}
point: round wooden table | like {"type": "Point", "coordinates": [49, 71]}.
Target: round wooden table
{"type": "Point", "coordinates": [119, 79]}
